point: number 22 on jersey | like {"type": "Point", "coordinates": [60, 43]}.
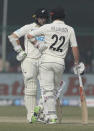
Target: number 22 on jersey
{"type": "Point", "coordinates": [57, 39]}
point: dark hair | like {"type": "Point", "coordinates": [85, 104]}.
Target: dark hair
{"type": "Point", "coordinates": [57, 13]}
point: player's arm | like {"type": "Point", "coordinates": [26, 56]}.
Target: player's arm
{"type": "Point", "coordinates": [38, 32]}
{"type": "Point", "coordinates": [14, 39]}
{"type": "Point", "coordinates": [31, 36]}
{"type": "Point", "coordinates": [74, 47]}
{"type": "Point", "coordinates": [75, 52]}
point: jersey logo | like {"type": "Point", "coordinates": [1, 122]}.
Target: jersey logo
{"type": "Point", "coordinates": [40, 38]}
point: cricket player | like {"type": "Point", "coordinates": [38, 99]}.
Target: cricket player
{"type": "Point", "coordinates": [29, 58]}
{"type": "Point", "coordinates": [58, 36]}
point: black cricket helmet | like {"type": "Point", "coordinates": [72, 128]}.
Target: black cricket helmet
{"type": "Point", "coordinates": [57, 13]}
{"type": "Point", "coordinates": [41, 13]}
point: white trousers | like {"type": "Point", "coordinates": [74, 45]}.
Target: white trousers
{"type": "Point", "coordinates": [30, 71]}
{"type": "Point", "coordinates": [51, 72]}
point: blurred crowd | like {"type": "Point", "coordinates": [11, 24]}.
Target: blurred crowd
{"type": "Point", "coordinates": [86, 47]}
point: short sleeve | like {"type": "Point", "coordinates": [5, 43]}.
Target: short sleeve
{"type": "Point", "coordinates": [22, 31]}
{"type": "Point", "coordinates": [73, 41]}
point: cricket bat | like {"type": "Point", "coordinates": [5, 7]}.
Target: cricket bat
{"type": "Point", "coordinates": [83, 101]}
{"type": "Point", "coordinates": [58, 104]}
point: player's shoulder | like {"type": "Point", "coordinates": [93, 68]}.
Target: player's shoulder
{"type": "Point", "coordinates": [30, 25]}
{"type": "Point", "coordinates": [24, 27]}
{"type": "Point", "coordinates": [70, 27]}
{"type": "Point", "coordinates": [46, 26]}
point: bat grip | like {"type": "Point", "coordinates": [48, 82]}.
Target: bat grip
{"type": "Point", "coordinates": [80, 78]}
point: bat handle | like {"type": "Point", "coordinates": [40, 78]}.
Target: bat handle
{"type": "Point", "coordinates": [80, 80]}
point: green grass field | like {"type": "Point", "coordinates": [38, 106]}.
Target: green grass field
{"type": "Point", "coordinates": [14, 119]}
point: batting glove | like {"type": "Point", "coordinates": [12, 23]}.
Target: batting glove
{"type": "Point", "coordinates": [79, 67]}
{"type": "Point", "coordinates": [21, 55]}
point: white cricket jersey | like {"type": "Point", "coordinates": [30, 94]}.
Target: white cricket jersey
{"type": "Point", "coordinates": [31, 51]}
{"type": "Point", "coordinates": [58, 36]}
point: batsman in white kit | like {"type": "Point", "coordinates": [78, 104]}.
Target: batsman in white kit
{"type": "Point", "coordinates": [58, 36]}
{"type": "Point", "coordinates": [29, 59]}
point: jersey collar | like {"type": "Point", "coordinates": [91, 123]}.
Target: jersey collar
{"type": "Point", "coordinates": [59, 22]}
